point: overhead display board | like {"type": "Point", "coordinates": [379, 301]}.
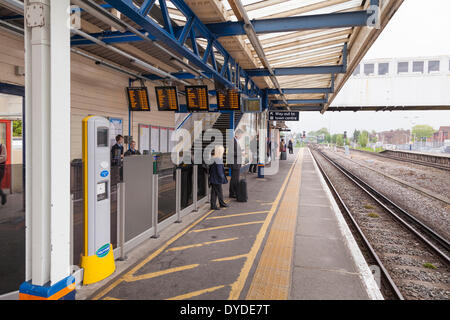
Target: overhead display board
{"type": "Point", "coordinates": [138, 99]}
{"type": "Point", "coordinates": [167, 98]}
{"type": "Point", "coordinates": [197, 98]}
{"type": "Point", "coordinates": [283, 115]}
{"type": "Point", "coordinates": [228, 100]}
{"type": "Point", "coordinates": [251, 105]}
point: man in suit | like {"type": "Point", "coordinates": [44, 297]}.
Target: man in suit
{"type": "Point", "coordinates": [132, 150]}
{"type": "Point", "coordinates": [236, 165]}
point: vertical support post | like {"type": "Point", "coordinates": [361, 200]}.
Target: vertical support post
{"type": "Point", "coordinates": [195, 188]}
{"type": "Point", "coordinates": [47, 110]}
{"type": "Point", "coordinates": [121, 220]}
{"type": "Point", "coordinates": [155, 206]}
{"type": "Point", "coordinates": [71, 230]}
{"type": "Point", "coordinates": [178, 194]}
{"type": "Point", "coordinates": [232, 134]}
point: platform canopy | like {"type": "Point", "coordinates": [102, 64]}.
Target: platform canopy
{"type": "Point", "coordinates": [296, 54]}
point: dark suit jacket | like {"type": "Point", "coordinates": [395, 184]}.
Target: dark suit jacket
{"type": "Point", "coordinates": [237, 157]}
{"type": "Point", "coordinates": [217, 172]}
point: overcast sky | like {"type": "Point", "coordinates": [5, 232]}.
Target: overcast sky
{"type": "Point", "coordinates": [419, 28]}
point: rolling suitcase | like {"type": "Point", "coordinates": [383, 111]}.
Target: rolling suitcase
{"type": "Point", "coordinates": [241, 195]}
{"type": "Point", "coordinates": [283, 155]}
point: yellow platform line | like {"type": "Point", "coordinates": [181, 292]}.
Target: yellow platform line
{"type": "Point", "coordinates": [195, 293]}
{"type": "Point", "coordinates": [200, 244]}
{"type": "Point", "coordinates": [272, 277]}
{"type": "Point", "coordinates": [149, 258]}
{"type": "Point", "coordinates": [231, 258]}
{"type": "Point", "coordinates": [110, 298]}
{"type": "Point", "coordinates": [237, 215]}
{"type": "Point", "coordinates": [155, 274]}
{"type": "Point", "coordinates": [228, 226]}
{"type": "Point", "coordinates": [238, 285]}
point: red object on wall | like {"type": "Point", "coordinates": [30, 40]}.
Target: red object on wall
{"type": "Point", "coordinates": [6, 181]}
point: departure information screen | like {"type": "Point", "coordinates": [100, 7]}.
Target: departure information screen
{"type": "Point", "coordinates": [197, 98]}
{"type": "Point", "coordinates": [228, 100]}
{"type": "Point", "coordinates": [167, 98]}
{"type": "Point", "coordinates": [138, 99]}
{"type": "Point", "coordinates": [252, 105]}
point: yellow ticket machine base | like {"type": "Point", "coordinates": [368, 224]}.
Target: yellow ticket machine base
{"type": "Point", "coordinates": [98, 267]}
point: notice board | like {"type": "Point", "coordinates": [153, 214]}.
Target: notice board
{"type": "Point", "coordinates": [163, 147]}
{"type": "Point", "coordinates": [154, 139]}
{"type": "Point", "coordinates": [144, 138]}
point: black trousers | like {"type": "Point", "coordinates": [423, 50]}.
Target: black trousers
{"type": "Point", "coordinates": [234, 182]}
{"type": "Point", "coordinates": [2, 174]}
{"type": "Point", "coordinates": [216, 193]}
{"type": "Point", "coordinates": [253, 168]}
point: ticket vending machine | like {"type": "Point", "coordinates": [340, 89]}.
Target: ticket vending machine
{"type": "Point", "coordinates": [98, 259]}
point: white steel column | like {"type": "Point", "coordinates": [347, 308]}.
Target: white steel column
{"type": "Point", "coordinates": [47, 44]}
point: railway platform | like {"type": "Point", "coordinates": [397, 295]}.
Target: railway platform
{"type": "Point", "coordinates": [289, 241]}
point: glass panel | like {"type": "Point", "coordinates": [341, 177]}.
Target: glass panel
{"type": "Point", "coordinates": [383, 68]}
{"type": "Point", "coordinates": [201, 181]}
{"type": "Point", "coordinates": [403, 67]}
{"type": "Point", "coordinates": [12, 228]}
{"type": "Point", "coordinates": [12, 200]}
{"type": "Point", "coordinates": [433, 66]}
{"type": "Point", "coordinates": [186, 186]}
{"type": "Point", "coordinates": [418, 66]}
{"type": "Point", "coordinates": [166, 195]}
{"type": "Point", "coordinates": [369, 69]}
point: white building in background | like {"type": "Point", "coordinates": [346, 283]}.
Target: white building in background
{"type": "Point", "coordinates": [412, 82]}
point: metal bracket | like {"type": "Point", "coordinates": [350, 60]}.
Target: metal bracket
{"type": "Point", "coordinates": [34, 16]}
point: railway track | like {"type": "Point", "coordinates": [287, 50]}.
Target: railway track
{"type": "Point", "coordinates": [423, 163]}
{"type": "Point", "coordinates": [381, 239]}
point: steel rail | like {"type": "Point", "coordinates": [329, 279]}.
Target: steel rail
{"type": "Point", "coordinates": [423, 163]}
{"type": "Point", "coordinates": [366, 242]}
{"type": "Point", "coordinates": [384, 202]}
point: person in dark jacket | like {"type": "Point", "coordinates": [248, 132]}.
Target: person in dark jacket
{"type": "Point", "coordinates": [254, 147]}
{"type": "Point", "coordinates": [236, 165]}
{"type": "Point", "coordinates": [132, 151]}
{"type": "Point", "coordinates": [291, 146]}
{"type": "Point", "coordinates": [217, 178]}
{"type": "Point", "coordinates": [117, 151]}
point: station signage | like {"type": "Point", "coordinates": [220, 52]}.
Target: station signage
{"type": "Point", "coordinates": [251, 105]}
{"type": "Point", "coordinates": [228, 100]}
{"type": "Point", "coordinates": [197, 98]}
{"type": "Point", "coordinates": [167, 98]}
{"type": "Point", "coordinates": [283, 115]}
{"type": "Point", "coordinates": [138, 99]}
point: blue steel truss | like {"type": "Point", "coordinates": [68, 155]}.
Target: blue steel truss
{"type": "Point", "coordinates": [229, 73]}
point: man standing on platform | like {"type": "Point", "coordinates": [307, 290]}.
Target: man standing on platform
{"type": "Point", "coordinates": [236, 164]}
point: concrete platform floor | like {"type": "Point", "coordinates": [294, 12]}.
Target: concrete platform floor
{"type": "Point", "coordinates": [284, 243]}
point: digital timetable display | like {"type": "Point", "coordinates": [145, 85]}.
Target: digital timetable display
{"type": "Point", "coordinates": [167, 98]}
{"type": "Point", "coordinates": [197, 98]}
{"type": "Point", "coordinates": [228, 100]}
{"type": "Point", "coordinates": [138, 99]}
{"type": "Point", "coordinates": [252, 105]}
